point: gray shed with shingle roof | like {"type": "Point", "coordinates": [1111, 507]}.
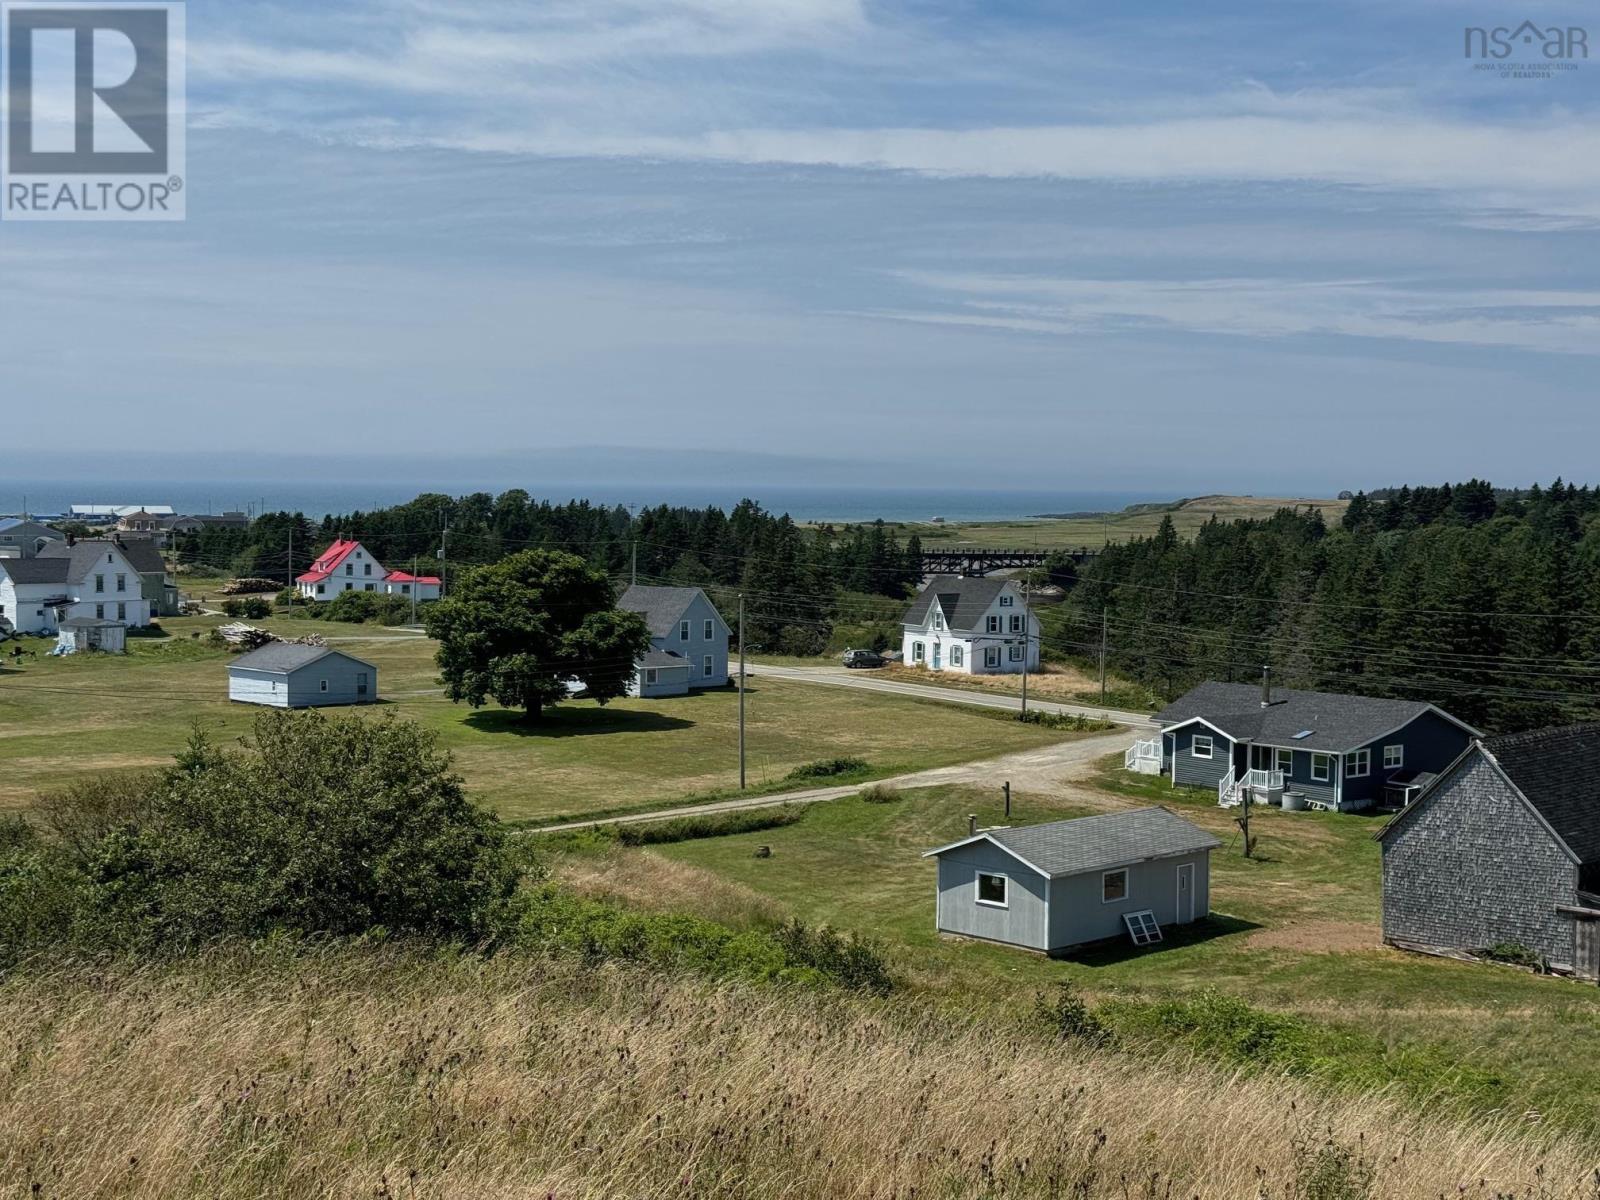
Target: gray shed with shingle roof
{"type": "Point", "coordinates": [1068, 883]}
{"type": "Point", "coordinates": [290, 675]}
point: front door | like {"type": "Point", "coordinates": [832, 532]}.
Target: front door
{"type": "Point", "coordinates": [1586, 947]}
{"type": "Point", "coordinates": [1185, 893]}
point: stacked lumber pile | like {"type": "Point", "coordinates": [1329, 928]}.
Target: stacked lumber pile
{"type": "Point", "coordinates": [249, 637]}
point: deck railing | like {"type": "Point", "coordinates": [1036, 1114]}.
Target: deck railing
{"type": "Point", "coordinates": [1145, 750]}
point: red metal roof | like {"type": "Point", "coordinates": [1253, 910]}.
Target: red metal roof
{"type": "Point", "coordinates": [328, 562]}
{"type": "Point", "coordinates": [407, 577]}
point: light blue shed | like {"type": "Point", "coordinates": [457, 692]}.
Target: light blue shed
{"type": "Point", "coordinates": [1067, 883]}
{"type": "Point", "coordinates": [290, 675]}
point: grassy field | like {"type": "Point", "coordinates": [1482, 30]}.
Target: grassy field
{"type": "Point", "coordinates": [1295, 930]}
{"type": "Point", "coordinates": [1094, 532]}
{"type": "Point", "coordinates": [69, 717]}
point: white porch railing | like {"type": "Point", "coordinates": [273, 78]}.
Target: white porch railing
{"type": "Point", "coordinates": [1271, 781]}
{"type": "Point", "coordinates": [1144, 756]}
{"type": "Point", "coordinates": [1228, 789]}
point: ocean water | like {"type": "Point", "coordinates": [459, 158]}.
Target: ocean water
{"type": "Point", "coordinates": [821, 503]}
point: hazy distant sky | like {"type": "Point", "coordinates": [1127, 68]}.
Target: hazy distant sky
{"type": "Point", "coordinates": [1201, 246]}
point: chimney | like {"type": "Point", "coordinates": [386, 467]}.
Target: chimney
{"type": "Point", "coordinates": [1266, 687]}
{"type": "Point", "coordinates": [72, 539]}
{"type": "Point", "coordinates": [972, 824]}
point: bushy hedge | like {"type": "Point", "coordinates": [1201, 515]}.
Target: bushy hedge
{"type": "Point", "coordinates": [251, 608]}
{"type": "Point", "coordinates": [558, 921]}
{"type": "Point", "coordinates": [365, 608]}
{"type": "Point", "coordinates": [708, 825]}
{"type": "Point", "coordinates": [828, 768]}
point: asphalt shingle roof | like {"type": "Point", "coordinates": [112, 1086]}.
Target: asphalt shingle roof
{"type": "Point", "coordinates": [661, 607]}
{"type": "Point", "coordinates": [963, 598]}
{"type": "Point", "coordinates": [141, 554]}
{"type": "Point", "coordinates": [1100, 842]}
{"type": "Point", "coordinates": [36, 570]}
{"type": "Point", "coordinates": [1553, 768]}
{"type": "Point", "coordinates": [288, 656]}
{"type": "Point", "coordinates": [662, 660]}
{"type": "Point", "coordinates": [1336, 721]}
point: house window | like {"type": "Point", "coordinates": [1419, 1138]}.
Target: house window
{"type": "Point", "coordinates": [369, 587]}
{"type": "Point", "coordinates": [1005, 601]}
{"type": "Point", "coordinates": [122, 583]}
{"type": "Point", "coordinates": [367, 570]}
{"type": "Point", "coordinates": [122, 611]}
{"type": "Point", "coordinates": [1358, 765]}
{"type": "Point", "coordinates": [1285, 762]}
{"type": "Point", "coordinates": [1114, 886]}
{"type": "Point", "coordinates": [1016, 654]}
{"type": "Point", "coordinates": [405, 589]}
{"type": "Point", "coordinates": [1321, 768]}
{"type": "Point", "coordinates": [99, 583]}
{"type": "Point", "coordinates": [916, 652]}
{"type": "Point", "coordinates": [1200, 747]}
{"type": "Point", "coordinates": [957, 656]}
{"type": "Point", "coordinates": [991, 656]}
{"type": "Point", "coordinates": [323, 687]}
{"type": "Point", "coordinates": [683, 631]}
{"type": "Point", "coordinates": [708, 631]}
{"type": "Point", "coordinates": [650, 676]}
{"type": "Point", "coordinates": [705, 667]}
{"type": "Point", "coordinates": [321, 588]}
{"type": "Point", "coordinates": [1394, 757]}
{"type": "Point", "coordinates": [100, 610]}
{"type": "Point", "coordinates": [1016, 623]}
{"type": "Point", "coordinates": [349, 569]}
{"type": "Point", "coordinates": [994, 623]}
{"type": "Point", "coordinates": [992, 889]}
{"type": "Point", "coordinates": [938, 619]}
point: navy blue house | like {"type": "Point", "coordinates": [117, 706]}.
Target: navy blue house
{"type": "Point", "coordinates": [1320, 749]}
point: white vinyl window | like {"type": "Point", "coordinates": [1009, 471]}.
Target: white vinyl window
{"type": "Point", "coordinates": [992, 890]}
{"type": "Point", "coordinates": [916, 652]}
{"type": "Point", "coordinates": [1016, 622]}
{"type": "Point", "coordinates": [1285, 762]}
{"type": "Point", "coordinates": [1200, 747]}
{"type": "Point", "coordinates": [705, 667]}
{"type": "Point", "coordinates": [122, 583]}
{"type": "Point", "coordinates": [957, 656]}
{"type": "Point", "coordinates": [683, 631]}
{"type": "Point", "coordinates": [1321, 768]}
{"type": "Point", "coordinates": [1394, 757]}
{"type": "Point", "coordinates": [708, 631]}
{"type": "Point", "coordinates": [938, 619]}
{"type": "Point", "coordinates": [650, 675]}
{"type": "Point", "coordinates": [1358, 765]}
{"type": "Point", "coordinates": [991, 656]}
{"type": "Point", "coordinates": [1016, 654]}
{"type": "Point", "coordinates": [1114, 886]}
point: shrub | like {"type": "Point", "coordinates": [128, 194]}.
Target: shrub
{"type": "Point", "coordinates": [1068, 1016]}
{"type": "Point", "coordinates": [1328, 1169]}
{"type": "Point", "coordinates": [856, 962]}
{"type": "Point", "coordinates": [1516, 954]}
{"type": "Point", "coordinates": [708, 825]}
{"type": "Point", "coordinates": [251, 608]}
{"type": "Point", "coordinates": [37, 893]}
{"type": "Point", "coordinates": [879, 793]}
{"type": "Point", "coordinates": [363, 608]}
{"type": "Point", "coordinates": [290, 597]}
{"type": "Point", "coordinates": [827, 768]}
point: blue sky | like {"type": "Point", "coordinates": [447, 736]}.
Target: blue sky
{"type": "Point", "coordinates": [1239, 247]}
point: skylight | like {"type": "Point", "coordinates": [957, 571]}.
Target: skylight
{"type": "Point", "coordinates": [1303, 734]}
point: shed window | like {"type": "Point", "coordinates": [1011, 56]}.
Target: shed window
{"type": "Point", "coordinates": [1321, 768]}
{"type": "Point", "coordinates": [1200, 747]}
{"type": "Point", "coordinates": [650, 675]}
{"type": "Point", "coordinates": [992, 889]}
{"type": "Point", "coordinates": [1394, 757]}
{"type": "Point", "coordinates": [1358, 765]}
{"type": "Point", "coordinates": [323, 686]}
{"type": "Point", "coordinates": [1114, 886]}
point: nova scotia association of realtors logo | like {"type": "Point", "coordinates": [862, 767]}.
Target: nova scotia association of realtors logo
{"type": "Point", "coordinates": [1526, 51]}
{"type": "Point", "coordinates": [92, 111]}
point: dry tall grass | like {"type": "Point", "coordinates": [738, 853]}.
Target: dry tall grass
{"type": "Point", "coordinates": [374, 1074]}
{"type": "Point", "coordinates": [644, 880]}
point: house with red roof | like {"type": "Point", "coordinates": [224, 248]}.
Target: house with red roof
{"type": "Point", "coordinates": [347, 566]}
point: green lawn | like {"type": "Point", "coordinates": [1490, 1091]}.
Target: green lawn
{"type": "Point", "coordinates": [66, 718]}
{"type": "Point", "coordinates": [1294, 930]}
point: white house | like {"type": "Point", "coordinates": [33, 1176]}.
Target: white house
{"type": "Point", "coordinates": [92, 579]}
{"type": "Point", "coordinates": [347, 566]}
{"type": "Point", "coordinates": [976, 626]}
{"type": "Point", "coordinates": [688, 640]}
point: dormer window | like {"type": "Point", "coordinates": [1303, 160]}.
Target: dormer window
{"type": "Point", "coordinates": [938, 619]}
{"type": "Point", "coordinates": [1005, 601]}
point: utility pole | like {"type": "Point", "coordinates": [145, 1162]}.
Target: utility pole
{"type": "Point", "coordinates": [741, 691]}
{"type": "Point", "coordinates": [444, 541]}
{"type": "Point", "coordinates": [288, 570]}
{"type": "Point", "coordinates": [1008, 799]}
{"type": "Point", "coordinates": [1102, 654]}
{"type": "Point", "coordinates": [633, 576]}
{"type": "Point", "coordinates": [413, 589]}
{"type": "Point", "coordinates": [1027, 645]}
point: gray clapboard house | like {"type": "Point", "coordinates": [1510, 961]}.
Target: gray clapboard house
{"type": "Point", "coordinates": [688, 640]}
{"type": "Point", "coordinates": [1323, 749]}
{"type": "Point", "coordinates": [1503, 848]}
{"type": "Point", "coordinates": [1067, 883]}
{"type": "Point", "coordinates": [290, 675]}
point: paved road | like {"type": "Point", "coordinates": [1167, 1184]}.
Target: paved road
{"type": "Point", "coordinates": [867, 681]}
{"type": "Point", "coordinates": [1051, 768]}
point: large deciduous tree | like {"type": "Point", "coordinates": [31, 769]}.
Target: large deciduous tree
{"type": "Point", "coordinates": [518, 630]}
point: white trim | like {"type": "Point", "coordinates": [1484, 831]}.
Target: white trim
{"type": "Point", "coordinates": [1278, 763]}
{"type": "Point", "coordinates": [1398, 765]}
{"type": "Point", "coordinates": [977, 889]}
{"type": "Point", "coordinates": [984, 837]}
{"type": "Point", "coordinates": [1364, 757]}
{"type": "Point", "coordinates": [1127, 885]}
{"type": "Point", "coordinates": [1177, 892]}
{"type": "Point", "coordinates": [1328, 764]}
{"type": "Point", "coordinates": [1216, 729]}
{"type": "Point", "coordinates": [1211, 746]}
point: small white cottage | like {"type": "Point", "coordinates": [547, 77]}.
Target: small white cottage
{"type": "Point", "coordinates": [1067, 883]}
{"type": "Point", "coordinates": [290, 675]}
